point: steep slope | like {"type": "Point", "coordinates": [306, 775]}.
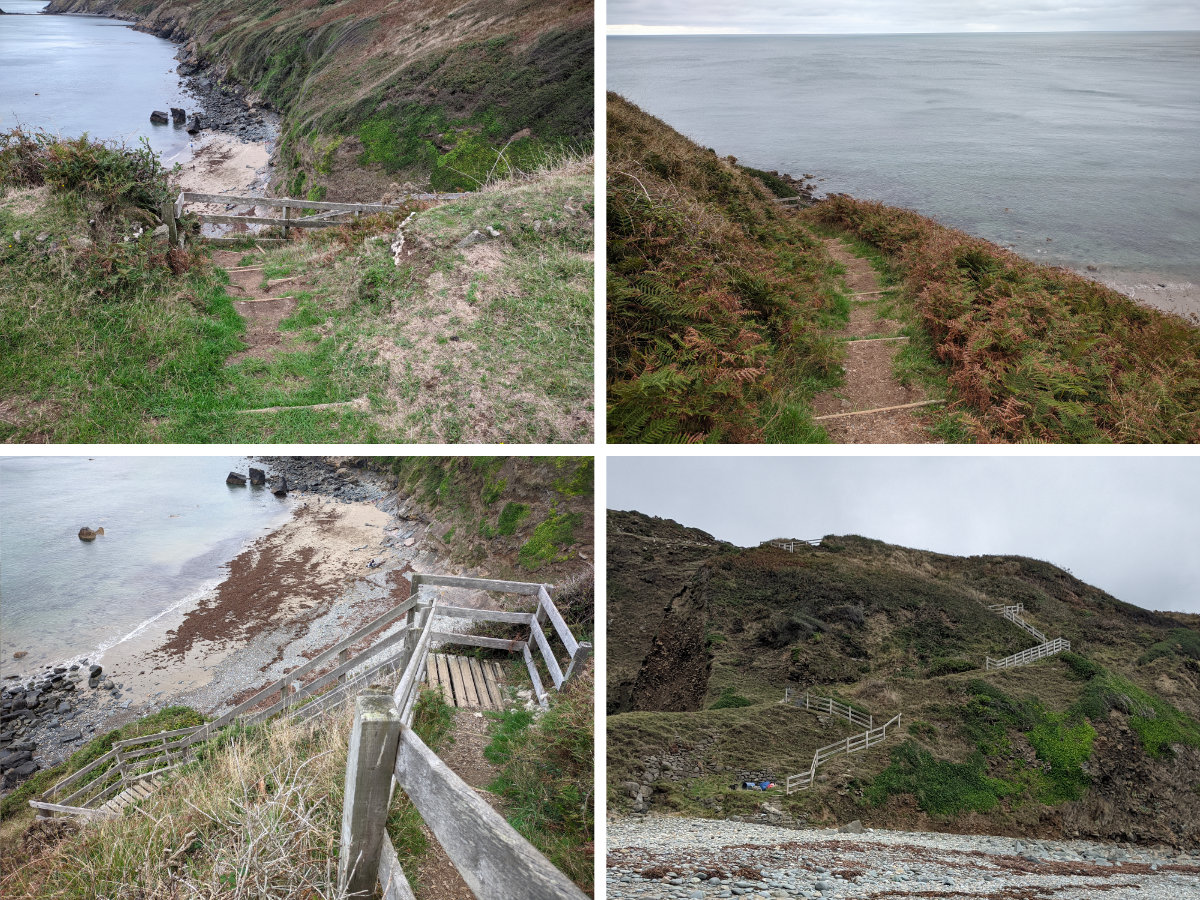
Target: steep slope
{"type": "Point", "coordinates": [1103, 740]}
{"type": "Point", "coordinates": [650, 562]}
{"type": "Point", "coordinates": [716, 297]}
{"type": "Point", "coordinates": [376, 92]}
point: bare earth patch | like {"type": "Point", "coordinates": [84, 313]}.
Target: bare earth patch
{"type": "Point", "coordinates": [869, 383]}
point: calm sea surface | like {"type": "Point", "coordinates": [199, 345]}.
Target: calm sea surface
{"type": "Point", "coordinates": [170, 527]}
{"type": "Point", "coordinates": [71, 74]}
{"type": "Point", "coordinates": [1090, 140]}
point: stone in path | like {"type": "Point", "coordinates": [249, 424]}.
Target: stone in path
{"type": "Point", "coordinates": [869, 382]}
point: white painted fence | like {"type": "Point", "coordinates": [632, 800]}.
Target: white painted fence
{"type": "Point", "coordinates": [853, 744]}
{"type": "Point", "coordinates": [790, 546]}
{"type": "Point", "coordinates": [1025, 657]}
{"type": "Point", "coordinates": [1013, 614]}
{"type": "Point", "coordinates": [829, 705]}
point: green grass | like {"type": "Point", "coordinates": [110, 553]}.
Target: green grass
{"type": "Point", "coordinates": [941, 787]}
{"type": "Point", "coordinates": [550, 542]}
{"type": "Point", "coordinates": [121, 341]}
{"type": "Point", "coordinates": [546, 777]}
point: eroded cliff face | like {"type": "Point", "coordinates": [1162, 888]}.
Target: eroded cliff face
{"type": "Point", "coordinates": [656, 623]}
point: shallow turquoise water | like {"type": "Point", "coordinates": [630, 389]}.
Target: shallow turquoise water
{"type": "Point", "coordinates": [171, 526]}
{"type": "Point", "coordinates": [1090, 140]}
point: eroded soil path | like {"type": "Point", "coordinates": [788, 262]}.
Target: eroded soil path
{"type": "Point", "coordinates": [863, 410]}
{"type": "Point", "coordinates": [262, 304]}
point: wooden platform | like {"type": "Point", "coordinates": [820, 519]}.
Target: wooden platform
{"type": "Point", "coordinates": [139, 791]}
{"type": "Point", "coordinates": [467, 682]}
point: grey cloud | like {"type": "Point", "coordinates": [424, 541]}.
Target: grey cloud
{"type": "Point", "coordinates": [1128, 525]}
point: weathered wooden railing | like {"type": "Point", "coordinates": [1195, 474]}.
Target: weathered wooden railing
{"type": "Point", "coordinates": [1013, 614]}
{"type": "Point", "coordinates": [852, 744]}
{"type": "Point", "coordinates": [829, 705]}
{"type": "Point", "coordinates": [495, 861]}
{"type": "Point", "coordinates": [404, 649]}
{"type": "Point", "coordinates": [327, 216]}
{"type": "Point", "coordinates": [1025, 657]}
{"type": "Point", "coordinates": [790, 546]}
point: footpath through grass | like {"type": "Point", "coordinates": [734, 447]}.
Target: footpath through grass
{"type": "Point", "coordinates": [106, 335]}
{"type": "Point", "coordinates": [1034, 353]}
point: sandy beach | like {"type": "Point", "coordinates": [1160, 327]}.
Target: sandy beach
{"type": "Point", "coordinates": [222, 164]}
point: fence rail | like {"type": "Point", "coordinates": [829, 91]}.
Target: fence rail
{"type": "Point", "coordinates": [1013, 614]}
{"type": "Point", "coordinates": [829, 705]}
{"type": "Point", "coordinates": [852, 744]}
{"type": "Point", "coordinates": [308, 691]}
{"type": "Point", "coordinates": [1025, 657]}
{"type": "Point", "coordinates": [327, 218]}
{"type": "Point", "coordinates": [790, 546]}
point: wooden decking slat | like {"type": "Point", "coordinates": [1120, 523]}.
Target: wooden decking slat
{"type": "Point", "coordinates": [486, 699]}
{"type": "Point", "coordinates": [444, 683]}
{"type": "Point", "coordinates": [463, 679]}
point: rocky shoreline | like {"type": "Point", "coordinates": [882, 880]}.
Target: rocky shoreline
{"type": "Point", "coordinates": [222, 107]}
{"type": "Point", "coordinates": [698, 859]}
{"type": "Point", "coordinates": [47, 714]}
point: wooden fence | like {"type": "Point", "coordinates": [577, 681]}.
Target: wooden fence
{"type": "Point", "coordinates": [1013, 614]}
{"type": "Point", "coordinates": [852, 744]}
{"type": "Point", "coordinates": [1025, 657]}
{"type": "Point", "coordinates": [328, 214]}
{"type": "Point", "coordinates": [829, 705]}
{"type": "Point", "coordinates": [306, 691]}
{"type": "Point", "coordinates": [790, 546]}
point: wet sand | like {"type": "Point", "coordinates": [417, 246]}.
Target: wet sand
{"type": "Point", "coordinates": [276, 589]}
{"type": "Point", "coordinates": [1181, 298]}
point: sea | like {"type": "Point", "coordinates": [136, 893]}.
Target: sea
{"type": "Point", "coordinates": [86, 74]}
{"type": "Point", "coordinates": [1078, 149]}
{"type": "Point", "coordinates": [171, 525]}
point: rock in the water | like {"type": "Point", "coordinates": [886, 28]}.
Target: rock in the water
{"type": "Point", "coordinates": [86, 534]}
{"type": "Point", "coordinates": [158, 117]}
{"type": "Point", "coordinates": [279, 487]}
{"type": "Point", "coordinates": [20, 654]}
{"type": "Point", "coordinates": [235, 479]}
{"type": "Point", "coordinates": [257, 476]}
{"type": "Point", "coordinates": [855, 827]}
{"type": "Point", "coordinates": [178, 116]}
{"type": "Point", "coordinates": [194, 125]}
{"type": "Point", "coordinates": [94, 671]}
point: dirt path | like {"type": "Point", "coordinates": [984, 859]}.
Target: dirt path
{"type": "Point", "coordinates": [872, 342]}
{"type": "Point", "coordinates": [261, 304]}
{"type": "Point", "coordinates": [437, 875]}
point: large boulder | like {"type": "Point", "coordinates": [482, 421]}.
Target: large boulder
{"type": "Point", "coordinates": [158, 117]}
{"type": "Point", "coordinates": [178, 116]}
{"type": "Point", "coordinates": [195, 123]}
{"type": "Point", "coordinates": [257, 476]}
{"type": "Point", "coordinates": [279, 487]}
{"type": "Point", "coordinates": [87, 534]}
{"type": "Point", "coordinates": [235, 479]}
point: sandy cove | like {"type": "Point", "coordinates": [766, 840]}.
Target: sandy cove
{"type": "Point", "coordinates": [289, 594]}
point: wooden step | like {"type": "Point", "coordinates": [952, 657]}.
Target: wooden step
{"type": "Point", "coordinates": [467, 682]}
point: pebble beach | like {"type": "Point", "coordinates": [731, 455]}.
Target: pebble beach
{"type": "Point", "coordinates": [698, 859]}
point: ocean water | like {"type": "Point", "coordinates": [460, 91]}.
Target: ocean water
{"type": "Point", "coordinates": [170, 527]}
{"type": "Point", "coordinates": [1071, 149]}
{"type": "Point", "coordinates": [76, 74]}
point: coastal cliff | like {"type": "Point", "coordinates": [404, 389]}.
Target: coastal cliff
{"type": "Point", "coordinates": [377, 92]}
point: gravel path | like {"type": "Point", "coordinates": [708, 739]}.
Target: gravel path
{"type": "Point", "coordinates": [698, 859]}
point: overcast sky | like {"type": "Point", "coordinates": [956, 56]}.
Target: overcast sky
{"type": "Point", "coordinates": [1128, 525]}
{"type": "Point", "coordinates": [896, 16]}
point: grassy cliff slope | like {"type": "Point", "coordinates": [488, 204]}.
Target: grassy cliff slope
{"type": "Point", "coordinates": [375, 92]}
{"type": "Point", "coordinates": [720, 306]}
{"type": "Point", "coordinates": [1103, 741]}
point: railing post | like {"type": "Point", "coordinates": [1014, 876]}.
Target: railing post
{"type": "Point", "coordinates": [168, 217]}
{"type": "Point", "coordinates": [369, 765]}
{"type": "Point", "coordinates": [343, 657]}
{"type": "Point", "coordinates": [287, 215]}
{"type": "Point", "coordinates": [582, 652]}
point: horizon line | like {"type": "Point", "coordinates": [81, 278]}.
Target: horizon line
{"type": "Point", "coordinates": [697, 33]}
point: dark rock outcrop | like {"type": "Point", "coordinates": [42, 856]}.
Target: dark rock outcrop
{"type": "Point", "coordinates": [235, 479]}
{"type": "Point", "coordinates": [87, 534]}
{"type": "Point", "coordinates": [257, 477]}
{"type": "Point", "coordinates": [178, 116]}
{"type": "Point", "coordinates": [158, 117]}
